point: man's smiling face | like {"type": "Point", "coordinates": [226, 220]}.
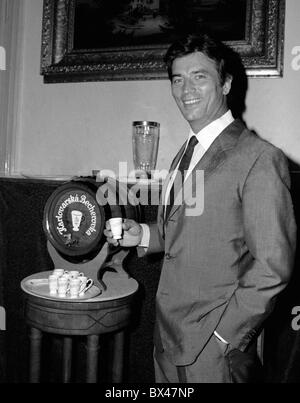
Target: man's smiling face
{"type": "Point", "coordinates": [197, 89]}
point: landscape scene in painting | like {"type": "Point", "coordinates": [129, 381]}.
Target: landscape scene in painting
{"type": "Point", "coordinates": [102, 24]}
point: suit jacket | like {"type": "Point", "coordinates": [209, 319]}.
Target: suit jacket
{"type": "Point", "coordinates": [225, 265]}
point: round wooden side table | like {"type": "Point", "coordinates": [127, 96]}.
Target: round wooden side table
{"type": "Point", "coordinates": [108, 312]}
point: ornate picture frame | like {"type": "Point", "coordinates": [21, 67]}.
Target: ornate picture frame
{"type": "Point", "coordinates": [64, 59]}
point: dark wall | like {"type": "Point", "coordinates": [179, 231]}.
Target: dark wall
{"type": "Point", "coordinates": [282, 342]}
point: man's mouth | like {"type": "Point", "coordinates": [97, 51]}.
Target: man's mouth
{"type": "Point", "coordinates": [189, 102]}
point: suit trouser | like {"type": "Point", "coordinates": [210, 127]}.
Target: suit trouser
{"type": "Point", "coordinates": [211, 366]}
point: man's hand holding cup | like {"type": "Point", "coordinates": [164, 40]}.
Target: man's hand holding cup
{"type": "Point", "coordinates": [127, 233]}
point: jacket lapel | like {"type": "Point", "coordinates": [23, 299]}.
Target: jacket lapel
{"type": "Point", "coordinates": [217, 152]}
{"type": "Point", "coordinates": [215, 155]}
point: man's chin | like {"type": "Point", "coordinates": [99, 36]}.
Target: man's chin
{"type": "Point", "coordinates": [190, 116]}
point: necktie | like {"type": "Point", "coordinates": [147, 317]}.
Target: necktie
{"type": "Point", "coordinates": [182, 168]}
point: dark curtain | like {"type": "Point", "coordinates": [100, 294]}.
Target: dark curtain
{"type": "Point", "coordinates": [23, 252]}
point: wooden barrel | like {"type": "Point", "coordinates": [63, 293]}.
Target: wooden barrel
{"type": "Point", "coordinates": [76, 212]}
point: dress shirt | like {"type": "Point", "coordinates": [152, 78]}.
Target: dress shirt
{"type": "Point", "coordinates": [205, 138]}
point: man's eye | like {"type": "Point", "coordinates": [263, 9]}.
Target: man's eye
{"type": "Point", "coordinates": [177, 81]}
{"type": "Point", "coordinates": [199, 76]}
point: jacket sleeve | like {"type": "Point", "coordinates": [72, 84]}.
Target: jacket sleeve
{"type": "Point", "coordinates": [270, 236]}
{"type": "Point", "coordinates": [156, 243]}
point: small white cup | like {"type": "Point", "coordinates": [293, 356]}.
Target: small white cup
{"type": "Point", "coordinates": [58, 272]}
{"type": "Point", "coordinates": [62, 286]}
{"type": "Point", "coordinates": [75, 284]}
{"type": "Point", "coordinates": [73, 273]}
{"type": "Point", "coordinates": [89, 283]}
{"type": "Point", "coordinates": [116, 227]}
{"type": "Point", "coordinates": [83, 280]}
{"type": "Point", "coordinates": [52, 284]}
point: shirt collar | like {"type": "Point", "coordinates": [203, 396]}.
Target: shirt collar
{"type": "Point", "coordinates": [208, 134]}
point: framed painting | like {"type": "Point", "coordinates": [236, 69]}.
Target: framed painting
{"type": "Point", "coordinates": [99, 40]}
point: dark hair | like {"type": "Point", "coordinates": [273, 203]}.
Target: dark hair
{"type": "Point", "coordinates": [228, 63]}
{"type": "Point", "coordinates": [204, 43]}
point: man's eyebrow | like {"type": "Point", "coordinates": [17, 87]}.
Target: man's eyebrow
{"type": "Point", "coordinates": [202, 71]}
{"type": "Point", "coordinates": [176, 75]}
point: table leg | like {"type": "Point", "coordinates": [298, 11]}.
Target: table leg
{"type": "Point", "coordinates": [92, 358]}
{"type": "Point", "coordinates": [35, 337]}
{"type": "Point", "coordinates": [67, 359]}
{"type": "Point", "coordinates": [118, 358]}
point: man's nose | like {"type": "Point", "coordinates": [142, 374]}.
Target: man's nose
{"type": "Point", "coordinates": [188, 85]}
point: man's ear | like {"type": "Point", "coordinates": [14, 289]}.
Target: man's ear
{"type": "Point", "coordinates": [227, 85]}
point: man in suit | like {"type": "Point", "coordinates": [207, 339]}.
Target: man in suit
{"type": "Point", "coordinates": [225, 265]}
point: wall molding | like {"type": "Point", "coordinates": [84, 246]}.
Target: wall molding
{"type": "Point", "coordinates": [11, 12]}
